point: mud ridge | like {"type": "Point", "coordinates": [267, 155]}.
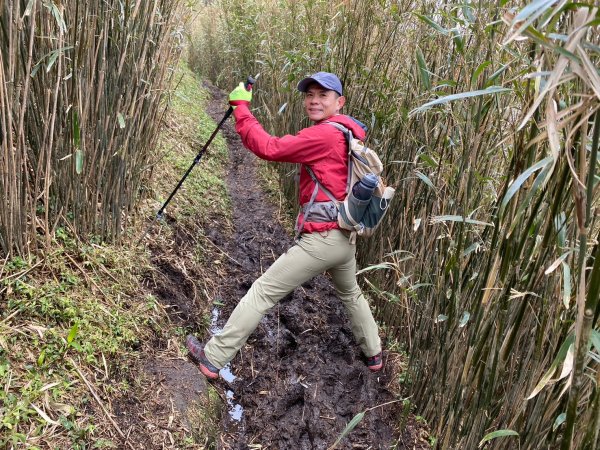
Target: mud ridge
{"type": "Point", "coordinates": [301, 377]}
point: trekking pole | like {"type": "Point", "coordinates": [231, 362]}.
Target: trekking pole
{"type": "Point", "coordinates": [248, 85]}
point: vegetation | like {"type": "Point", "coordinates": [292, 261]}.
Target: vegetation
{"type": "Point", "coordinates": [82, 84]}
{"type": "Point", "coordinates": [69, 311]}
{"type": "Point", "coordinates": [77, 319]}
{"type": "Point", "coordinates": [487, 115]}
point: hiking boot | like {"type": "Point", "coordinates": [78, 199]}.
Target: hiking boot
{"type": "Point", "coordinates": [196, 349]}
{"type": "Point", "coordinates": [375, 363]}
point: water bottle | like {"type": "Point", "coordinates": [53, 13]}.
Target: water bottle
{"type": "Point", "coordinates": [363, 189]}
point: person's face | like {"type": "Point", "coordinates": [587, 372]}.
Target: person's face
{"type": "Point", "coordinates": [321, 104]}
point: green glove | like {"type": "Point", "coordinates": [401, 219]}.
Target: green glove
{"type": "Point", "coordinates": [240, 95]}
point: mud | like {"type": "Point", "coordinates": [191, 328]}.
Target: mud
{"type": "Point", "coordinates": [301, 377]}
{"type": "Point", "coordinates": [299, 380]}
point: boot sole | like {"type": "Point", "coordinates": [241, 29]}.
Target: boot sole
{"type": "Point", "coordinates": [193, 345]}
{"type": "Point", "coordinates": [376, 368]}
{"type": "Point", "coordinates": [207, 372]}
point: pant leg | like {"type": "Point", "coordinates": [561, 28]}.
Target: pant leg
{"type": "Point", "coordinates": [314, 254]}
{"type": "Point", "coordinates": [363, 324]}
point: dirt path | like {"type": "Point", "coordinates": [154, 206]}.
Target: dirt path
{"type": "Point", "coordinates": [301, 377]}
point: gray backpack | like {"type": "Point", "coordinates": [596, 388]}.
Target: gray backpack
{"type": "Point", "coordinates": [361, 217]}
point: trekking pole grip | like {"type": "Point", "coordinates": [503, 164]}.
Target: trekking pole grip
{"type": "Point", "coordinates": [250, 81]}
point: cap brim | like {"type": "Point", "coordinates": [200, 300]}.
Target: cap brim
{"type": "Point", "coordinates": [303, 85]}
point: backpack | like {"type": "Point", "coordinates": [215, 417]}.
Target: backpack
{"type": "Point", "coordinates": [361, 217]}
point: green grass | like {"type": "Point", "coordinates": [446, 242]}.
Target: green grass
{"type": "Point", "coordinates": [205, 188]}
{"type": "Point", "coordinates": [81, 306]}
{"type": "Point", "coordinates": [57, 313]}
{"type": "Point", "coordinates": [269, 180]}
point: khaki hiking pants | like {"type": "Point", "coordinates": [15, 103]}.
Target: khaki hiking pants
{"type": "Point", "coordinates": [314, 254]}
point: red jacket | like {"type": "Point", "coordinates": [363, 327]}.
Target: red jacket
{"type": "Point", "coordinates": [321, 146]}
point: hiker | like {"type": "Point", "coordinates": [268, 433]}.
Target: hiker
{"type": "Point", "coordinates": [322, 245]}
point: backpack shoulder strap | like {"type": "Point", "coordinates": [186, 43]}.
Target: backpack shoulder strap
{"type": "Point", "coordinates": [348, 135]}
{"type": "Point", "coordinates": [347, 132]}
{"type": "Point", "coordinates": [300, 226]}
{"type": "Point", "coordinates": [320, 186]}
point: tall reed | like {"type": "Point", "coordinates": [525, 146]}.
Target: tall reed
{"type": "Point", "coordinates": [81, 85]}
{"type": "Point", "coordinates": [484, 115]}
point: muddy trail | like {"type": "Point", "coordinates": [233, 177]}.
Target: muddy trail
{"type": "Point", "coordinates": [300, 378]}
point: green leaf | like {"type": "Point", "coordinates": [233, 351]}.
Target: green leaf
{"type": "Point", "coordinates": [428, 160]}
{"type": "Point", "coordinates": [36, 68]}
{"type": "Point", "coordinates": [528, 14]}
{"type": "Point", "coordinates": [76, 346]}
{"type": "Point", "coordinates": [384, 265]}
{"type": "Point", "coordinates": [425, 179]}
{"type": "Point", "coordinates": [351, 425]}
{"type": "Point", "coordinates": [462, 95]}
{"type": "Point", "coordinates": [58, 17]}
{"type": "Point", "coordinates": [414, 287]}
{"type": "Point", "coordinates": [423, 71]}
{"type": "Point", "coordinates": [468, 13]}
{"type": "Point", "coordinates": [480, 68]}
{"type": "Point", "coordinates": [593, 23]}
{"type": "Point", "coordinates": [28, 8]}
{"type": "Point", "coordinates": [458, 40]}
{"type": "Point", "coordinates": [72, 333]}
{"type": "Point", "coordinates": [560, 224]}
{"type": "Point", "coordinates": [539, 181]}
{"type": "Point", "coordinates": [453, 218]}
{"type": "Point", "coordinates": [78, 161]}
{"type": "Point", "coordinates": [464, 319]}
{"type": "Point", "coordinates": [560, 358]}
{"type": "Point", "coordinates": [538, 37]}
{"type": "Point", "coordinates": [121, 120]}
{"type": "Point", "coordinates": [52, 57]}
{"type": "Point", "coordinates": [433, 24]}
{"type": "Point", "coordinates": [41, 358]}
{"type": "Point", "coordinates": [535, 9]}
{"type": "Point", "coordinates": [495, 75]}
{"type": "Point", "coordinates": [445, 83]}
{"type": "Point", "coordinates": [559, 420]}
{"type": "Point", "coordinates": [566, 284]}
{"type": "Point", "coordinates": [516, 185]}
{"type": "Point", "coordinates": [472, 248]}
{"type": "Point", "coordinates": [595, 338]}
{"type": "Point", "coordinates": [497, 434]}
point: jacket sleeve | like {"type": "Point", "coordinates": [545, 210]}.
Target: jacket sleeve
{"type": "Point", "coordinates": [307, 147]}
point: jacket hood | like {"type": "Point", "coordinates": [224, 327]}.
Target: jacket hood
{"type": "Point", "coordinates": [357, 128]}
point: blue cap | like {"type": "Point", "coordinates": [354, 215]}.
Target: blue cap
{"type": "Point", "coordinates": [324, 79]}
